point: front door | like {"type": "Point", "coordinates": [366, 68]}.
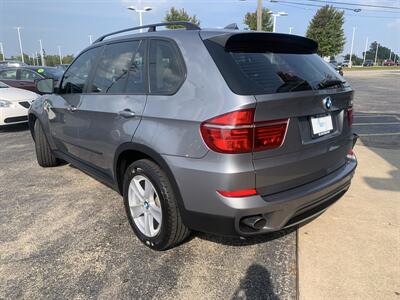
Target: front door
{"type": "Point", "coordinates": [111, 110]}
{"type": "Point", "coordinates": [62, 107]}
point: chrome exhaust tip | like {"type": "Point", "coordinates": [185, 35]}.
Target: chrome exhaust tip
{"type": "Point", "coordinates": [255, 222]}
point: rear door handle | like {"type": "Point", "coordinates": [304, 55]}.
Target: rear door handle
{"type": "Point", "coordinates": [127, 113]}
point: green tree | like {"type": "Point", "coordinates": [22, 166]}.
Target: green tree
{"type": "Point", "coordinates": [250, 19]}
{"type": "Point", "coordinates": [179, 15]}
{"type": "Point", "coordinates": [383, 53]}
{"type": "Point", "coordinates": [326, 28]}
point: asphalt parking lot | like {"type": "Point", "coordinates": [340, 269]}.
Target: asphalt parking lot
{"type": "Point", "coordinates": [64, 235]}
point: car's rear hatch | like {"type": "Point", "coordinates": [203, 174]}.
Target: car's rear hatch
{"type": "Point", "coordinates": [293, 84]}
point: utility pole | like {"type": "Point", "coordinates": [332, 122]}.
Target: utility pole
{"type": "Point", "coordinates": [59, 53]}
{"type": "Point", "coordinates": [259, 15]}
{"type": "Point", "coordinates": [41, 53]}
{"type": "Point", "coordinates": [20, 43]}
{"type": "Point", "coordinates": [2, 52]}
{"type": "Point", "coordinates": [376, 52]}
{"type": "Point", "coordinates": [365, 51]}
{"type": "Point", "coordinates": [351, 49]}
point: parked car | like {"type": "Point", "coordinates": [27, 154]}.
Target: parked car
{"type": "Point", "coordinates": [25, 77]}
{"type": "Point", "coordinates": [337, 68]}
{"type": "Point", "coordinates": [14, 104]}
{"type": "Point", "coordinates": [11, 63]}
{"type": "Point", "coordinates": [388, 62]}
{"type": "Point", "coordinates": [368, 63]}
{"type": "Point", "coordinates": [345, 63]}
{"type": "Point", "coordinates": [62, 67]}
{"type": "Point", "coordinates": [224, 131]}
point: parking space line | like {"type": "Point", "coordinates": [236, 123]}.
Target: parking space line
{"type": "Point", "coordinates": [377, 134]}
{"type": "Point", "coordinates": [377, 116]}
{"type": "Point", "coordinates": [382, 123]}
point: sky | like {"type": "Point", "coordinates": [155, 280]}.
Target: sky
{"type": "Point", "coordinates": [68, 23]}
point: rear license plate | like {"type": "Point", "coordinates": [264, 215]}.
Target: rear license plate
{"type": "Point", "coordinates": [321, 125]}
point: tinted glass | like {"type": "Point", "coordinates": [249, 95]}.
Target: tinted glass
{"type": "Point", "coordinates": [136, 77]}
{"type": "Point", "coordinates": [29, 75]}
{"type": "Point", "coordinates": [252, 73]}
{"type": "Point", "coordinates": [165, 67]}
{"type": "Point", "coordinates": [53, 73]}
{"type": "Point", "coordinates": [113, 68]}
{"type": "Point", "coordinates": [75, 79]}
{"type": "Point", "coordinates": [8, 74]}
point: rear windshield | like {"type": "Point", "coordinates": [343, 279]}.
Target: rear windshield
{"type": "Point", "coordinates": [263, 72]}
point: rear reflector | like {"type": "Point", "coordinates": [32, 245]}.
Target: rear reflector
{"type": "Point", "coordinates": [350, 116]}
{"type": "Point", "coordinates": [236, 132]}
{"type": "Point", "coordinates": [241, 193]}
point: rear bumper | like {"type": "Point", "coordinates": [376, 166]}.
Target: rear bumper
{"type": "Point", "coordinates": [281, 210]}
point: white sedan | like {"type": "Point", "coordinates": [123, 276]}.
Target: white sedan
{"type": "Point", "coordinates": [14, 104]}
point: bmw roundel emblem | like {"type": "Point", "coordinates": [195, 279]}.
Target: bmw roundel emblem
{"type": "Point", "coordinates": [327, 102]}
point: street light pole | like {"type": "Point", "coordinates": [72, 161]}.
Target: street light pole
{"type": "Point", "coordinates": [376, 52]}
{"type": "Point", "coordinates": [33, 57]}
{"type": "Point", "coordinates": [37, 58]}
{"type": "Point", "coordinates": [351, 49]}
{"type": "Point", "coordinates": [259, 15]}
{"type": "Point", "coordinates": [290, 30]}
{"type": "Point", "coordinates": [365, 51]}
{"type": "Point", "coordinates": [2, 52]}
{"type": "Point", "coordinates": [59, 54]}
{"type": "Point", "coordinates": [90, 39]}
{"type": "Point", "coordinates": [41, 53]}
{"type": "Point", "coordinates": [20, 43]}
{"type": "Point", "coordinates": [279, 14]}
{"type": "Point", "coordinates": [140, 11]}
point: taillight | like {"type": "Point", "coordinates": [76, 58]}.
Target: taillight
{"type": "Point", "coordinates": [350, 116]}
{"type": "Point", "coordinates": [236, 132]}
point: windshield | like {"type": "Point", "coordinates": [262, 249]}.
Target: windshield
{"type": "Point", "coordinates": [254, 73]}
{"type": "Point", "coordinates": [3, 85]}
{"type": "Point", "coordinates": [53, 73]}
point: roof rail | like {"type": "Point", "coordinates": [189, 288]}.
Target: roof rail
{"type": "Point", "coordinates": [152, 27]}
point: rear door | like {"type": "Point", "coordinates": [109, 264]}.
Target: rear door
{"type": "Point", "coordinates": [9, 76]}
{"type": "Point", "coordinates": [303, 106]}
{"type": "Point", "coordinates": [109, 113]}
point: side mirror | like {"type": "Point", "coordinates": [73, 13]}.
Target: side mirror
{"type": "Point", "coordinates": [45, 86]}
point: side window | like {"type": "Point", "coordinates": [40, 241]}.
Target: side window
{"type": "Point", "coordinates": [165, 67]}
{"type": "Point", "coordinates": [114, 68]}
{"type": "Point", "coordinates": [75, 79]}
{"type": "Point", "coordinates": [29, 75]}
{"type": "Point", "coordinates": [8, 74]}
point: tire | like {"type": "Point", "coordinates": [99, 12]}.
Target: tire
{"type": "Point", "coordinates": [172, 231]}
{"type": "Point", "coordinates": [44, 155]}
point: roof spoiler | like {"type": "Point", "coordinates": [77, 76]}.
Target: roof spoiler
{"type": "Point", "coordinates": [265, 42]}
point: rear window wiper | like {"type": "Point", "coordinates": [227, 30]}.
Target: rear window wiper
{"type": "Point", "coordinates": [329, 82]}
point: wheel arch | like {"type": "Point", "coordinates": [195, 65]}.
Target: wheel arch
{"type": "Point", "coordinates": [135, 151]}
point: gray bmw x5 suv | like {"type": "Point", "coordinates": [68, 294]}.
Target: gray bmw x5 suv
{"type": "Point", "coordinates": [222, 131]}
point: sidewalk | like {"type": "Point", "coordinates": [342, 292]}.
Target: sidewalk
{"type": "Point", "coordinates": [352, 251]}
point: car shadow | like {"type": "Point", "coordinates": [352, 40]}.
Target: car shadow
{"type": "Point", "coordinates": [14, 128]}
{"type": "Point", "coordinates": [255, 285]}
{"type": "Point", "coordinates": [382, 139]}
{"type": "Point", "coordinates": [240, 241]}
